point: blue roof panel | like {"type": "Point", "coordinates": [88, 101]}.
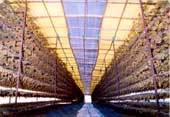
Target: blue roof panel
{"type": "Point", "coordinates": [95, 8]}
{"type": "Point", "coordinates": [74, 8]}
{"type": "Point", "coordinates": [85, 27]}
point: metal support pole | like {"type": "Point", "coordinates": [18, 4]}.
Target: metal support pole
{"type": "Point", "coordinates": [117, 28]}
{"type": "Point", "coordinates": [55, 73]}
{"type": "Point", "coordinates": [20, 68]}
{"type": "Point", "coordinates": [104, 65]}
{"type": "Point", "coordinates": [150, 57]}
{"type": "Point", "coordinates": [55, 90]}
{"type": "Point", "coordinates": [116, 69]}
{"type": "Point", "coordinates": [84, 45]}
{"type": "Point", "coordinates": [56, 70]}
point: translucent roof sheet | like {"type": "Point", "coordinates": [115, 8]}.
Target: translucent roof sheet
{"type": "Point", "coordinates": [82, 31]}
{"type": "Point", "coordinates": [117, 23]}
{"type": "Point", "coordinates": [83, 24]}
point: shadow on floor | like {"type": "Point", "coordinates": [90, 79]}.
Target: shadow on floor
{"type": "Point", "coordinates": [109, 112]}
{"type": "Point", "coordinates": [75, 110]}
{"type": "Point", "coordinates": [65, 111]}
{"type": "Point", "coordinates": [84, 110]}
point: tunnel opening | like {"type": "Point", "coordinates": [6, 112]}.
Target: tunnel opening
{"type": "Point", "coordinates": [87, 99]}
{"type": "Point", "coordinates": [84, 58]}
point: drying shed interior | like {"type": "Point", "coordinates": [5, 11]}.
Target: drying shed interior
{"type": "Point", "coordinates": [53, 53]}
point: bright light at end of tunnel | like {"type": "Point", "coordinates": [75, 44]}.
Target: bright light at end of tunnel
{"type": "Point", "coordinates": [87, 99]}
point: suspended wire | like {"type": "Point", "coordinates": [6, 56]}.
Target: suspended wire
{"type": "Point", "coordinates": [70, 44]}
{"type": "Point", "coordinates": [84, 36]}
{"type": "Point", "coordinates": [100, 28]}
{"type": "Point", "coordinates": [115, 34]}
{"type": "Point", "coordinates": [57, 36]}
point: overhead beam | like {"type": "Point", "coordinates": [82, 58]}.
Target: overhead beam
{"type": "Point", "coordinates": [51, 1]}
{"type": "Point", "coordinates": [82, 16]}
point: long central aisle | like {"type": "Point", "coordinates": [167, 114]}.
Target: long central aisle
{"type": "Point", "coordinates": [83, 110]}
{"type": "Point", "coordinates": [89, 110]}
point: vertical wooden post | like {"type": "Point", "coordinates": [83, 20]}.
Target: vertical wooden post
{"type": "Point", "coordinates": [20, 68]}
{"type": "Point", "coordinates": [150, 57]}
